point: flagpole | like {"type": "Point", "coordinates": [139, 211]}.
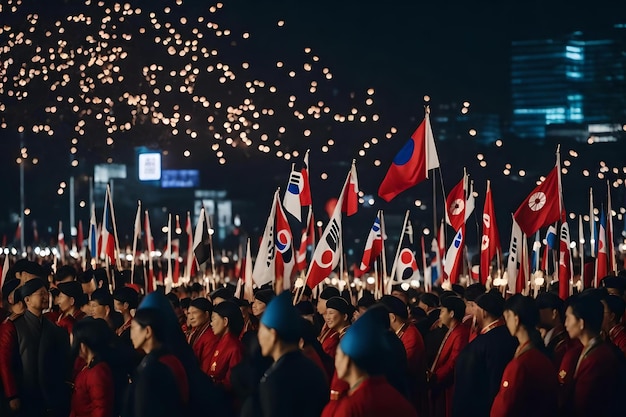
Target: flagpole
{"type": "Point", "coordinates": [135, 237]}
{"type": "Point", "coordinates": [169, 247]}
{"type": "Point", "coordinates": [592, 224]}
{"type": "Point", "coordinates": [383, 252]}
{"type": "Point", "coordinates": [609, 233]}
{"type": "Point", "coordinates": [213, 274]}
{"type": "Point", "coordinates": [581, 251]}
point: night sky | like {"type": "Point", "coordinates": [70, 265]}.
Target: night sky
{"type": "Point", "coordinates": [451, 51]}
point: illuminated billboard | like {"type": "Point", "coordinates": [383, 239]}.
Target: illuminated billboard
{"type": "Point", "coordinates": [149, 166]}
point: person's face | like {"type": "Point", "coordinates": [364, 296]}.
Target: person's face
{"type": "Point", "coordinates": [258, 307]}
{"type": "Point", "coordinates": [613, 291]}
{"type": "Point", "coordinates": [98, 311]}
{"type": "Point", "coordinates": [512, 321]}
{"type": "Point", "coordinates": [119, 306]}
{"type": "Point", "coordinates": [334, 319]}
{"type": "Point", "coordinates": [37, 300]}
{"type": "Point", "coordinates": [446, 316]}
{"type": "Point", "coordinates": [138, 334]}
{"type": "Point", "coordinates": [219, 324]}
{"type": "Point", "coordinates": [64, 302]}
{"type": "Point", "coordinates": [89, 287]}
{"type": "Point", "coordinates": [321, 306]}
{"type": "Point", "coordinates": [197, 317]}
{"type": "Point", "coordinates": [400, 295]}
{"type": "Point", "coordinates": [267, 340]}
{"type": "Point", "coordinates": [573, 325]}
{"type": "Point", "coordinates": [342, 361]}
{"type": "Point", "coordinates": [471, 308]}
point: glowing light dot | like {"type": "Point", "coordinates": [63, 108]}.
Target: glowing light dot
{"type": "Point", "coordinates": [187, 153]}
{"type": "Point", "coordinates": [324, 176]}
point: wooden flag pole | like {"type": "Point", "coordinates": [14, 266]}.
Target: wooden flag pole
{"type": "Point", "coordinates": [135, 238]}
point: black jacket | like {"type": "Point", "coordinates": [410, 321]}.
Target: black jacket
{"type": "Point", "coordinates": [478, 372]}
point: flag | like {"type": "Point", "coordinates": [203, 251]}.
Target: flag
{"type": "Point", "coordinates": [93, 234]}
{"type": "Point", "coordinates": [191, 265]}
{"type": "Point", "coordinates": [265, 266]}
{"type": "Point", "coordinates": [490, 243]}
{"type": "Point", "coordinates": [459, 206]}
{"type": "Point", "coordinates": [172, 253]}
{"type": "Point", "coordinates": [285, 257]}
{"type": "Point", "coordinates": [581, 250]}
{"type": "Point", "coordinates": [61, 242]}
{"type": "Point", "coordinates": [150, 249]}
{"type": "Point", "coordinates": [245, 280]}
{"type": "Point", "coordinates": [411, 165]}
{"type": "Point", "coordinates": [373, 247]}
{"type": "Point", "coordinates": [536, 253]}
{"type": "Point", "coordinates": [202, 239]}
{"type": "Point", "coordinates": [542, 206]}
{"type": "Point", "coordinates": [565, 262]}
{"type": "Point", "coordinates": [305, 189]}
{"type": "Point", "coordinates": [350, 202]}
{"type": "Point", "coordinates": [306, 240]}
{"type": "Point", "coordinates": [453, 262]}
{"type": "Point", "coordinates": [136, 237]}
{"type": "Point", "coordinates": [610, 248]}
{"type": "Point", "coordinates": [436, 269]}
{"type": "Point", "coordinates": [291, 200]}
{"type": "Point", "coordinates": [593, 232]}
{"type": "Point", "coordinates": [551, 238]}
{"type": "Point", "coordinates": [514, 263]}
{"type": "Point", "coordinates": [406, 264]}
{"type": "Point", "coordinates": [602, 265]}
{"type": "Point", "coordinates": [329, 248]}
{"type": "Point", "coordinates": [107, 239]}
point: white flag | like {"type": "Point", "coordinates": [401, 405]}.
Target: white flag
{"type": "Point", "coordinates": [515, 255]}
{"type": "Point", "coordinates": [264, 266]}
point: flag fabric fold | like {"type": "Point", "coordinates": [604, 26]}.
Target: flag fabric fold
{"type": "Point", "coordinates": [490, 242]}
{"type": "Point", "coordinates": [373, 247]}
{"type": "Point", "coordinates": [412, 163]}
{"type": "Point", "coordinates": [202, 239]}
{"type": "Point", "coordinates": [265, 266]}
{"type": "Point", "coordinates": [542, 206]}
{"type": "Point", "coordinates": [350, 201]}
{"type": "Point", "coordinates": [285, 257]}
{"type": "Point", "coordinates": [565, 262]}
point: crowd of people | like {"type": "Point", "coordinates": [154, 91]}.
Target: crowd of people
{"type": "Point", "coordinates": [72, 345]}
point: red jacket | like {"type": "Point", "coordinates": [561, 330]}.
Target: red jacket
{"type": "Point", "coordinates": [442, 388]}
{"type": "Point", "coordinates": [374, 397]}
{"type": "Point", "coordinates": [67, 321]}
{"type": "Point", "coordinates": [93, 394]}
{"type": "Point", "coordinates": [617, 335]}
{"type": "Point", "coordinates": [9, 358]}
{"type": "Point", "coordinates": [415, 351]}
{"type": "Point", "coordinates": [329, 340]}
{"type": "Point", "coordinates": [227, 353]}
{"type": "Point", "coordinates": [592, 389]}
{"type": "Point", "coordinates": [529, 387]}
{"type": "Point", "coordinates": [203, 347]}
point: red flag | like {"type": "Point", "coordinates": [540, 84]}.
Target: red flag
{"type": "Point", "coordinates": [609, 233]}
{"type": "Point", "coordinates": [602, 263]}
{"type": "Point", "coordinates": [458, 206]}
{"type": "Point", "coordinates": [80, 237]}
{"type": "Point", "coordinates": [453, 264]}
{"type": "Point", "coordinates": [350, 203]}
{"type": "Point", "coordinates": [565, 262]}
{"type": "Point", "coordinates": [490, 245]}
{"type": "Point", "coordinates": [373, 248]}
{"type": "Point", "coordinates": [543, 206]}
{"type": "Point", "coordinates": [305, 192]}
{"type": "Point", "coordinates": [61, 242]}
{"type": "Point", "coordinates": [107, 244]}
{"type": "Point", "coordinates": [411, 165]}
{"type": "Point", "coordinates": [306, 240]}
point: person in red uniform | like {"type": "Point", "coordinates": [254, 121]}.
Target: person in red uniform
{"type": "Point", "coordinates": [611, 325]}
{"type": "Point", "coordinates": [358, 363]}
{"type": "Point", "coordinates": [125, 300]}
{"type": "Point", "coordinates": [70, 300]}
{"type": "Point", "coordinates": [94, 390]}
{"type": "Point", "coordinates": [319, 319]}
{"type": "Point", "coordinates": [337, 319]}
{"type": "Point", "coordinates": [441, 374]}
{"type": "Point", "coordinates": [413, 346]}
{"type": "Point", "coordinates": [529, 386]}
{"type": "Point", "coordinates": [226, 322]}
{"type": "Point", "coordinates": [551, 318]}
{"type": "Point", "coordinates": [201, 339]}
{"type": "Point", "coordinates": [590, 374]}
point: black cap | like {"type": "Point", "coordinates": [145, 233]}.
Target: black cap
{"type": "Point", "coordinates": [64, 272]}
{"type": "Point", "coordinates": [430, 299]}
{"type": "Point", "coordinates": [456, 305]}
{"type": "Point", "coordinates": [86, 276]}
{"type": "Point", "coordinates": [10, 286]}
{"type": "Point", "coordinates": [305, 308]}
{"type": "Point", "coordinates": [264, 296]}
{"type": "Point", "coordinates": [102, 297]}
{"type": "Point", "coordinates": [473, 291]}
{"type": "Point", "coordinates": [339, 304]}
{"type": "Point", "coordinates": [33, 268]}
{"type": "Point", "coordinates": [31, 286]}
{"type": "Point", "coordinates": [222, 292]}
{"type": "Point", "coordinates": [492, 303]}
{"type": "Point", "coordinates": [232, 312]}
{"type": "Point", "coordinates": [328, 293]}
{"type": "Point", "coordinates": [72, 289]}
{"type": "Point", "coordinates": [619, 283]}
{"type": "Point", "coordinates": [366, 301]}
{"type": "Point", "coordinates": [395, 305]}
{"type": "Point", "coordinates": [241, 302]}
{"type": "Point", "coordinates": [127, 295]}
{"type": "Point", "coordinates": [185, 303]}
{"type": "Point", "coordinates": [201, 304]}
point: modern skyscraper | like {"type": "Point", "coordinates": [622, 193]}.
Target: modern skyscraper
{"type": "Point", "coordinates": [574, 81]}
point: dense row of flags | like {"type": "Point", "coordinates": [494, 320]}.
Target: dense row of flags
{"type": "Point", "coordinates": [288, 248]}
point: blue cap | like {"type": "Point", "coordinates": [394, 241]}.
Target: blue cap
{"type": "Point", "coordinates": [365, 342]}
{"type": "Point", "coordinates": [282, 316]}
{"type": "Point", "coordinates": [156, 300]}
